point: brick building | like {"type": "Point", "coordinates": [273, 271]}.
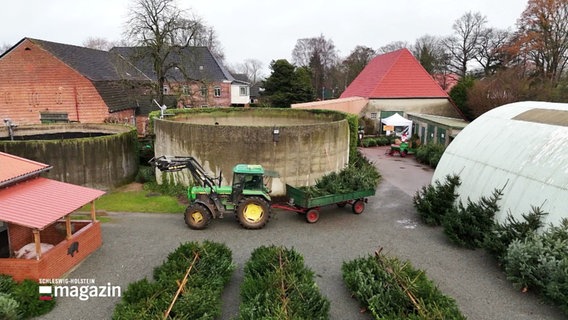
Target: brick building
{"type": "Point", "coordinates": [42, 81]}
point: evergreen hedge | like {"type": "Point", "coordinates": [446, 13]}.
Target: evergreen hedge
{"type": "Point", "coordinates": [468, 225]}
{"type": "Point", "coordinates": [277, 285]}
{"type": "Point", "coordinates": [21, 300]}
{"type": "Point", "coordinates": [539, 262]}
{"type": "Point", "coordinates": [392, 289]}
{"type": "Point", "coordinates": [434, 200]}
{"type": "Point", "coordinates": [430, 154]}
{"type": "Point", "coordinates": [211, 269]}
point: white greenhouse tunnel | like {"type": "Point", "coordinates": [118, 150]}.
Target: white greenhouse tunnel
{"type": "Point", "coordinates": [521, 146]}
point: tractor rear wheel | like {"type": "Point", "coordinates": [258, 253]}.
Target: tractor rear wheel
{"type": "Point", "coordinates": [197, 216]}
{"type": "Point", "coordinates": [253, 212]}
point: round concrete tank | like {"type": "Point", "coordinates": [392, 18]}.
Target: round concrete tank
{"type": "Point", "coordinates": [295, 147]}
{"type": "Point", "coordinates": [101, 156]}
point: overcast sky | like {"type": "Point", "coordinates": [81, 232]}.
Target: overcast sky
{"type": "Point", "coordinates": [260, 29]}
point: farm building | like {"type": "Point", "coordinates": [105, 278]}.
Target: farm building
{"type": "Point", "coordinates": [38, 239]}
{"type": "Point", "coordinates": [396, 82]}
{"type": "Point", "coordinates": [520, 147]}
{"type": "Point", "coordinates": [46, 82]}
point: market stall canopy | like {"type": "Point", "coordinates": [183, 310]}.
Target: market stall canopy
{"type": "Point", "coordinates": [396, 120]}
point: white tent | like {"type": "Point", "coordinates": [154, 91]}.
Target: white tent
{"type": "Point", "coordinates": [396, 120]}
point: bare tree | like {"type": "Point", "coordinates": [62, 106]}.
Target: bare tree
{"type": "Point", "coordinates": [490, 52]}
{"type": "Point", "coordinates": [97, 43]}
{"type": "Point", "coordinates": [320, 56]}
{"type": "Point", "coordinates": [356, 62]}
{"type": "Point", "coordinates": [393, 46]}
{"type": "Point", "coordinates": [161, 29]}
{"type": "Point", "coordinates": [542, 37]}
{"type": "Point", "coordinates": [431, 53]}
{"type": "Point", "coordinates": [462, 46]}
{"type": "Point", "coordinates": [252, 68]}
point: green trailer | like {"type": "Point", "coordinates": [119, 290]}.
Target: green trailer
{"type": "Point", "coordinates": [300, 202]}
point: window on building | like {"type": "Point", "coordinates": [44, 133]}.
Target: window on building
{"type": "Point", "coordinates": [204, 91]}
{"type": "Point", "coordinates": [166, 89]}
{"type": "Point", "coordinates": [373, 115]}
{"type": "Point", "coordinates": [185, 90]}
{"type": "Point", "coordinates": [217, 91]}
{"type": "Point", "coordinates": [243, 91]}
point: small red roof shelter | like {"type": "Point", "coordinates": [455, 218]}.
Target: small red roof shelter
{"type": "Point", "coordinates": [37, 210]}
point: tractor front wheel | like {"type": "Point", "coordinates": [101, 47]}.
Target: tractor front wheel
{"type": "Point", "coordinates": [253, 213]}
{"type": "Point", "coordinates": [197, 216]}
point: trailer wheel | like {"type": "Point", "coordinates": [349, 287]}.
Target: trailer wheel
{"type": "Point", "coordinates": [358, 206]}
{"type": "Point", "coordinates": [342, 204]}
{"type": "Point", "coordinates": [403, 153]}
{"type": "Point", "coordinates": [197, 216]}
{"type": "Point", "coordinates": [312, 216]}
{"type": "Point", "coordinates": [253, 213]}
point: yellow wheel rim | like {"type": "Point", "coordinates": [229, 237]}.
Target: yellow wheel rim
{"type": "Point", "coordinates": [253, 212]}
{"type": "Point", "coordinates": [197, 216]}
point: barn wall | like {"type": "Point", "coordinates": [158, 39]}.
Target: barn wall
{"type": "Point", "coordinates": [34, 81]}
{"type": "Point", "coordinates": [305, 150]}
{"type": "Point", "coordinates": [56, 262]}
{"type": "Point", "coordinates": [101, 162]}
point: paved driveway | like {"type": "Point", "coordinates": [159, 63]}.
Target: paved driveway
{"type": "Point", "coordinates": [135, 243]}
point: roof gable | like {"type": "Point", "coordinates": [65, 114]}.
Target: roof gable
{"type": "Point", "coordinates": [395, 74]}
{"type": "Point", "coordinates": [14, 169]}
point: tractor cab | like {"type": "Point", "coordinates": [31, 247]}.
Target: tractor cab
{"type": "Point", "coordinates": [247, 180]}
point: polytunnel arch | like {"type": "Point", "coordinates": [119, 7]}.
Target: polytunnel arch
{"type": "Point", "coordinates": [522, 147]}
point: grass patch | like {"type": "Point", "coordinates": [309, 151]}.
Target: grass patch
{"type": "Point", "coordinates": [137, 201]}
{"type": "Point", "coordinates": [100, 217]}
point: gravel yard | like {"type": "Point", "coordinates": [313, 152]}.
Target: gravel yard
{"type": "Point", "coordinates": [135, 243]}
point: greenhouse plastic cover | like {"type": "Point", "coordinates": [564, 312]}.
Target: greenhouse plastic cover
{"type": "Point", "coordinates": [522, 147]}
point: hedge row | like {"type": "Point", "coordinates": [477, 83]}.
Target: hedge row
{"type": "Point", "coordinates": [532, 258]}
{"type": "Point", "coordinates": [430, 154]}
{"type": "Point", "coordinates": [277, 285]}
{"type": "Point", "coordinates": [392, 289]}
{"type": "Point", "coordinates": [21, 300]}
{"type": "Point", "coordinates": [210, 268]}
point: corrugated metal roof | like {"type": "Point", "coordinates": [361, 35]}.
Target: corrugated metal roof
{"type": "Point", "coordinates": [395, 74]}
{"type": "Point", "coordinates": [527, 157]}
{"type": "Point", "coordinates": [37, 203]}
{"type": "Point", "coordinates": [13, 168]}
{"type": "Point", "coordinates": [445, 121]}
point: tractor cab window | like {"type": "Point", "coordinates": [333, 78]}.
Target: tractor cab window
{"type": "Point", "coordinates": [248, 181]}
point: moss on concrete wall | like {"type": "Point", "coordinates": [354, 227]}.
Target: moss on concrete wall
{"type": "Point", "coordinates": [100, 162]}
{"type": "Point", "coordinates": [303, 153]}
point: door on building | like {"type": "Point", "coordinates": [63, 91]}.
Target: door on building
{"type": "Point", "coordinates": [430, 133]}
{"type": "Point", "coordinates": [4, 243]}
{"type": "Point", "coordinates": [441, 136]}
{"type": "Point", "coordinates": [422, 135]}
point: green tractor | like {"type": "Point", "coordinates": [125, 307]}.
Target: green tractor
{"type": "Point", "coordinates": [248, 198]}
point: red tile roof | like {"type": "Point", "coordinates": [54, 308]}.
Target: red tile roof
{"type": "Point", "coordinates": [13, 168]}
{"type": "Point", "coordinates": [38, 202]}
{"type": "Point", "coordinates": [395, 74]}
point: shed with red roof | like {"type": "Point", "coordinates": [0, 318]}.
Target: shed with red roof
{"type": "Point", "coordinates": [391, 83]}
{"type": "Point", "coordinates": [37, 237]}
